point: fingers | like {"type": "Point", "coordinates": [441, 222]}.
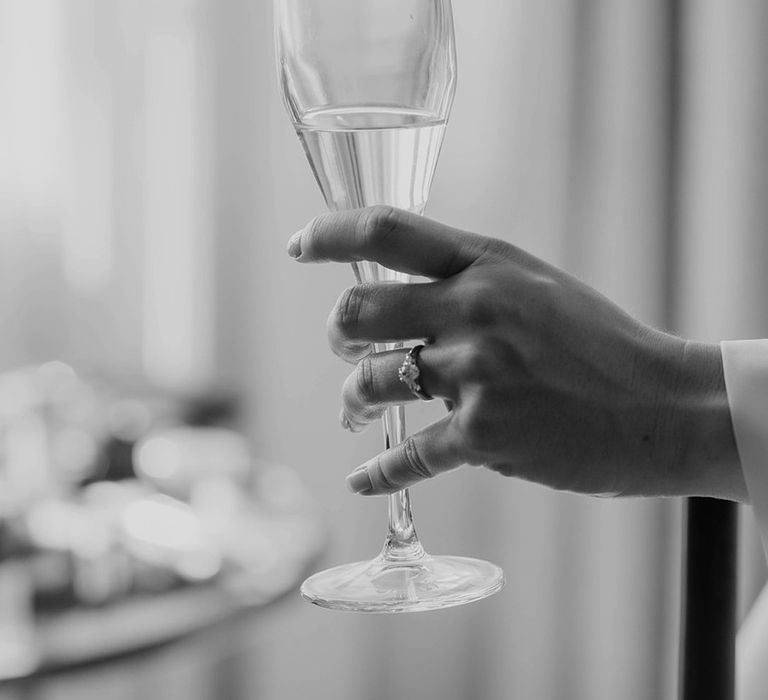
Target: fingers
{"type": "Point", "coordinates": [392, 237]}
{"type": "Point", "coordinates": [423, 455]}
{"type": "Point", "coordinates": [375, 384]}
{"type": "Point", "coordinates": [368, 313]}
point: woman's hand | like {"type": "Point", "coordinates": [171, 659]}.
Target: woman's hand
{"type": "Point", "coordinates": [544, 378]}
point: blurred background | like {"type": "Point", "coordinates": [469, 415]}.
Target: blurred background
{"type": "Point", "coordinates": [171, 462]}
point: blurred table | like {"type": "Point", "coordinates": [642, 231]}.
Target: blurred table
{"type": "Point", "coordinates": [183, 644]}
{"type": "Point", "coordinates": [180, 642]}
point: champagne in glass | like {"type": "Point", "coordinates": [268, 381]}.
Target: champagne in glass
{"type": "Point", "coordinates": [365, 155]}
{"type": "Point", "coordinates": [369, 86]}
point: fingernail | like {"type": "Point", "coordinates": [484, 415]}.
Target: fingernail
{"type": "Point", "coordinates": [294, 245]}
{"type": "Point", "coordinates": [359, 481]}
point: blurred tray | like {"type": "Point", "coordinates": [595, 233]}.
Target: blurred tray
{"type": "Point", "coordinates": [85, 636]}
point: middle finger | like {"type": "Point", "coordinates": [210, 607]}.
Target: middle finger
{"type": "Point", "coordinates": [380, 313]}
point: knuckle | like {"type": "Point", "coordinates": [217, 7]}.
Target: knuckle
{"type": "Point", "coordinates": [468, 365]}
{"type": "Point", "coordinates": [364, 381]}
{"type": "Point", "coordinates": [382, 478]}
{"type": "Point", "coordinates": [545, 293]}
{"type": "Point", "coordinates": [346, 315]}
{"type": "Point", "coordinates": [477, 303]}
{"type": "Point", "coordinates": [496, 249]}
{"type": "Point", "coordinates": [479, 430]}
{"type": "Point", "coordinates": [377, 224]}
{"type": "Point", "coordinates": [484, 360]}
{"type": "Point", "coordinates": [414, 461]}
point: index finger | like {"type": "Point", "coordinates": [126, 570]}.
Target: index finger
{"type": "Point", "coordinates": [391, 237]}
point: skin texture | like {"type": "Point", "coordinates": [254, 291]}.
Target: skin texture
{"type": "Point", "coordinates": [543, 377]}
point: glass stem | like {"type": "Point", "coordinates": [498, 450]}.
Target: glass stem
{"type": "Point", "coordinates": [402, 543]}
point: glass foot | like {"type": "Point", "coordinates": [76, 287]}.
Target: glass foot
{"type": "Point", "coordinates": [386, 586]}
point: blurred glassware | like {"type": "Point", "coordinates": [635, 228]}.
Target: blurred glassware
{"type": "Point", "coordinates": [163, 531]}
{"type": "Point", "coordinates": [98, 569]}
{"type": "Point", "coordinates": [51, 426]}
{"type": "Point", "coordinates": [110, 499]}
{"type": "Point", "coordinates": [47, 437]}
{"type": "Point", "coordinates": [261, 518]}
{"type": "Point", "coordinates": [174, 459]}
{"type": "Point", "coordinates": [267, 535]}
{"type": "Point", "coordinates": [18, 651]}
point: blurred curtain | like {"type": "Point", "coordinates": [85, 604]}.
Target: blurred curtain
{"type": "Point", "coordinates": [149, 181]}
{"type": "Point", "coordinates": [105, 204]}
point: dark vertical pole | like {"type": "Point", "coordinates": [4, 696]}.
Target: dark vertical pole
{"type": "Point", "coordinates": [708, 614]}
{"type": "Point", "coordinates": [708, 625]}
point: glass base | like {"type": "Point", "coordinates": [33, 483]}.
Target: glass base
{"type": "Point", "coordinates": [389, 586]}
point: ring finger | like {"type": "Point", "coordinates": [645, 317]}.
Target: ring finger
{"type": "Point", "coordinates": [375, 384]}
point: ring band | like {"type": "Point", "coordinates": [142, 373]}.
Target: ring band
{"type": "Point", "coordinates": [409, 373]}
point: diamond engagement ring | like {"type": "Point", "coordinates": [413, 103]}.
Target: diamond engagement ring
{"type": "Point", "coordinates": [409, 373]}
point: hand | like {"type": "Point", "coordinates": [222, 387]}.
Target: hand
{"type": "Point", "coordinates": [544, 378]}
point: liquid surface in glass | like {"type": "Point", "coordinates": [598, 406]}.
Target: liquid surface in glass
{"type": "Point", "coordinates": [366, 155]}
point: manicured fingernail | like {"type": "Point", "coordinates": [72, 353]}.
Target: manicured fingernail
{"type": "Point", "coordinates": [359, 481]}
{"type": "Point", "coordinates": [294, 245]}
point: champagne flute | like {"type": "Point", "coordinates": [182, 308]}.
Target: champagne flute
{"type": "Point", "coordinates": [369, 85]}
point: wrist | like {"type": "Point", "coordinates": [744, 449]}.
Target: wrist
{"type": "Point", "coordinates": [709, 459]}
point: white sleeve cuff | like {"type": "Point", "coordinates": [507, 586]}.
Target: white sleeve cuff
{"type": "Point", "coordinates": [745, 364]}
